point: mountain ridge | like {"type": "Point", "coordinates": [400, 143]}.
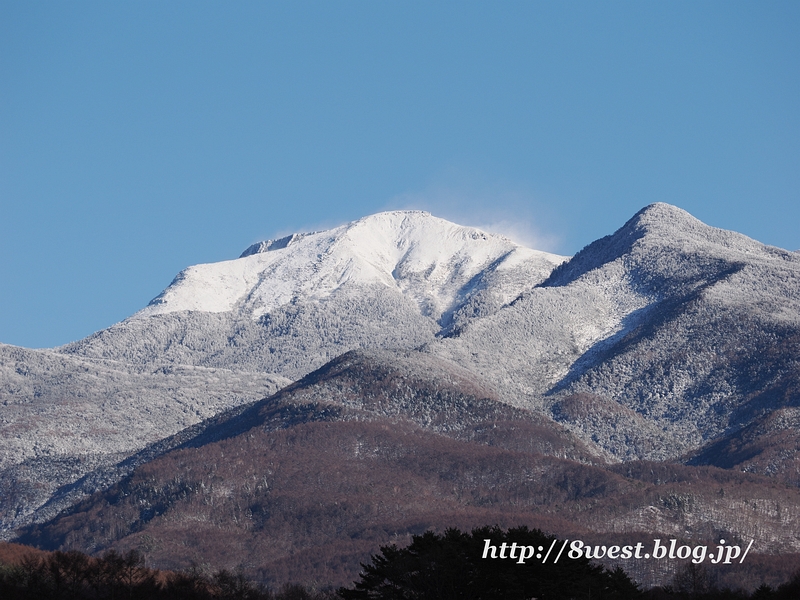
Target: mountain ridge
{"type": "Point", "coordinates": [390, 248]}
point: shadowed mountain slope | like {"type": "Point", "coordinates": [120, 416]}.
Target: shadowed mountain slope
{"type": "Point", "coordinates": [769, 445]}
{"type": "Point", "coordinates": [690, 329]}
{"type": "Point", "coordinates": [375, 447]}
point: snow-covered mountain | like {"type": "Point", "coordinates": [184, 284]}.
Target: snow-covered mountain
{"type": "Point", "coordinates": [396, 279]}
{"type": "Point", "coordinates": [660, 341]}
{"type": "Point", "coordinates": [434, 263]}
{"type": "Point", "coordinates": [672, 331]}
{"type": "Point", "coordinates": [379, 445]}
{"type": "Point", "coordinates": [63, 416]}
{"type": "Point", "coordinates": [229, 333]}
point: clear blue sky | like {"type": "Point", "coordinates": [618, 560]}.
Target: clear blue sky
{"type": "Point", "coordinates": [137, 138]}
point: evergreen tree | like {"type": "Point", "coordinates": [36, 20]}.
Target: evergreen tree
{"type": "Point", "coordinates": [452, 565]}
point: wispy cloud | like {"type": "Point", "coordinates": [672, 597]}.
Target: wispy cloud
{"type": "Point", "coordinates": [518, 214]}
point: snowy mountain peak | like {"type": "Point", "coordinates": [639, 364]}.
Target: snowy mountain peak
{"type": "Point", "coordinates": [392, 218]}
{"type": "Point", "coordinates": [659, 229]}
{"type": "Point", "coordinates": [671, 226]}
{"type": "Point", "coordinates": [268, 245]}
{"type": "Point", "coordinates": [429, 260]}
{"type": "Point", "coordinates": [661, 212]}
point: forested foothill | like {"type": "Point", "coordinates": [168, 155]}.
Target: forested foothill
{"type": "Point", "coordinates": [378, 447]}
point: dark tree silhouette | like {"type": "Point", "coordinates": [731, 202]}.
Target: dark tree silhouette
{"type": "Point", "coordinates": [452, 566]}
{"type": "Point", "coordinates": [693, 580]}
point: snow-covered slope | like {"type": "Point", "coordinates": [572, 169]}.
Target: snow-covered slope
{"type": "Point", "coordinates": [394, 279]}
{"type": "Point", "coordinates": [62, 416]}
{"type": "Point", "coordinates": [213, 337]}
{"type": "Point", "coordinates": [660, 318]}
{"type": "Point", "coordinates": [433, 262]}
{"type": "Point", "coordinates": [671, 331]}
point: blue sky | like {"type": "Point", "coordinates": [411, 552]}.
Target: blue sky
{"type": "Point", "coordinates": [137, 138]}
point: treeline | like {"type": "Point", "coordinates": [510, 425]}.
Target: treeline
{"type": "Point", "coordinates": [75, 576]}
{"type": "Point", "coordinates": [432, 567]}
{"type": "Point", "coordinates": [461, 566]}
{"type": "Point", "coordinates": [696, 582]}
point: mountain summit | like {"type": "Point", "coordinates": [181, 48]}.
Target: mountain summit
{"type": "Point", "coordinates": [665, 227]}
{"type": "Point", "coordinates": [289, 305]}
{"type": "Point", "coordinates": [430, 261]}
